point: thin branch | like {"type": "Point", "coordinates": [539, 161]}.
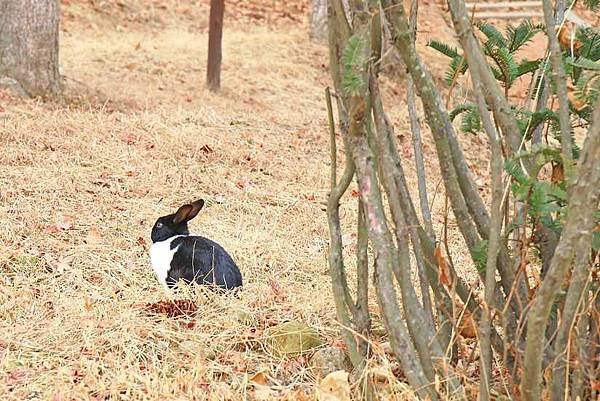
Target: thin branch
{"type": "Point", "coordinates": [575, 294]}
{"type": "Point", "coordinates": [362, 317]}
{"type": "Point", "coordinates": [493, 238]}
{"type": "Point", "coordinates": [560, 80]}
{"type": "Point", "coordinates": [332, 140]}
{"type": "Point", "coordinates": [419, 162]}
{"type": "Point", "coordinates": [415, 128]}
{"type": "Point", "coordinates": [336, 263]}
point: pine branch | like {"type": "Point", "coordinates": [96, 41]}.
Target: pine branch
{"type": "Point", "coordinates": [443, 48]}
{"type": "Point", "coordinates": [495, 38]}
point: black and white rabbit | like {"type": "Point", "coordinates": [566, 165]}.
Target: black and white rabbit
{"type": "Point", "coordinates": [175, 254]}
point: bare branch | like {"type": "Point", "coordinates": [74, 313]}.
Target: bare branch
{"type": "Point", "coordinates": [575, 294]}
{"type": "Point", "coordinates": [560, 80]}
{"type": "Point", "coordinates": [336, 264]}
{"type": "Point", "coordinates": [494, 236]}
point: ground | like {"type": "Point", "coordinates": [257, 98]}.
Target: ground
{"type": "Point", "coordinates": [136, 135]}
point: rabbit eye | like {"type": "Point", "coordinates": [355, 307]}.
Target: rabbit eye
{"type": "Point", "coordinates": [159, 225]}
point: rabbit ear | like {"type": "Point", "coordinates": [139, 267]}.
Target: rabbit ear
{"type": "Point", "coordinates": [188, 212]}
{"type": "Point", "coordinates": [196, 207]}
{"type": "Point", "coordinates": [182, 214]}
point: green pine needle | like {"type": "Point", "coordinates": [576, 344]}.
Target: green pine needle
{"type": "Point", "coordinates": [353, 64]}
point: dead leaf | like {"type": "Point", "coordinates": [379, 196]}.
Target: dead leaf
{"type": "Point", "coordinates": [53, 229]}
{"type": "Point", "coordinates": [95, 278]}
{"type": "Point", "coordinates": [188, 325]}
{"type": "Point", "coordinates": [566, 38]}
{"type": "Point", "coordinates": [334, 387]}
{"type": "Point", "coordinates": [175, 308]}
{"type": "Point", "coordinates": [279, 293]}
{"type": "Point", "coordinates": [140, 241]}
{"type": "Point", "coordinates": [93, 236]}
{"type": "Point", "coordinates": [132, 173]}
{"type": "Point", "coordinates": [354, 193]}
{"type": "Point", "coordinates": [128, 139]}
{"type": "Point", "coordinates": [207, 149]}
{"type": "Point", "coordinates": [16, 376]}
{"type": "Point", "coordinates": [443, 269]}
{"type": "Point", "coordinates": [467, 326]}
{"type": "Point", "coordinates": [558, 174]}
{"type": "Point", "coordinates": [88, 304]}
{"type": "Point", "coordinates": [577, 102]}
{"type": "Point", "coordinates": [242, 184]}
{"type": "Point", "coordinates": [261, 378]}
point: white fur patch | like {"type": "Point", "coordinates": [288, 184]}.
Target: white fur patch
{"type": "Point", "coordinates": [161, 256]}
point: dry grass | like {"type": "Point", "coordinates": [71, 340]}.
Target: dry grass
{"type": "Point", "coordinates": [83, 181]}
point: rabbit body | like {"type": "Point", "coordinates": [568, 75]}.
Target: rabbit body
{"type": "Point", "coordinates": [175, 254]}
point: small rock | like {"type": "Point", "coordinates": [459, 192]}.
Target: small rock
{"type": "Point", "coordinates": [334, 387]}
{"type": "Point", "coordinates": [292, 338]}
{"type": "Point", "coordinates": [329, 360]}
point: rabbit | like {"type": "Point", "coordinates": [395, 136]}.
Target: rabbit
{"type": "Point", "coordinates": [175, 254]}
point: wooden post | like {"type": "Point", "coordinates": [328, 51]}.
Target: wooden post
{"type": "Point", "coordinates": [215, 35]}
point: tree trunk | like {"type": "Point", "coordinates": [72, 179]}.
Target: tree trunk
{"type": "Point", "coordinates": [215, 36]}
{"type": "Point", "coordinates": [318, 20]}
{"type": "Point", "coordinates": [29, 46]}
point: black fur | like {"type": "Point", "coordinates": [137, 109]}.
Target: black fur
{"type": "Point", "coordinates": [203, 261]}
{"type": "Point", "coordinates": [198, 259]}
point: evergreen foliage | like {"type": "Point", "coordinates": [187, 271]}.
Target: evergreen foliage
{"type": "Point", "coordinates": [353, 62]}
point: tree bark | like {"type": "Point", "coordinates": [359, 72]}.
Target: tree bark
{"type": "Point", "coordinates": [215, 36]}
{"type": "Point", "coordinates": [318, 20]}
{"type": "Point", "coordinates": [29, 46]}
